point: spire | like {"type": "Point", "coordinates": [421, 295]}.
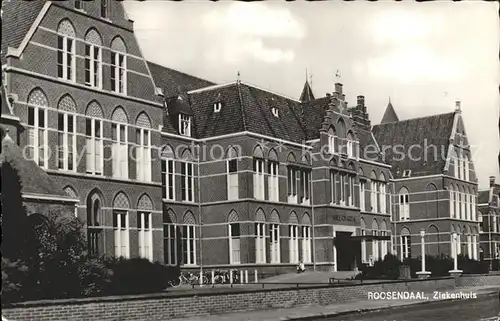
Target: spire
{"type": "Point", "coordinates": [307, 94]}
{"type": "Point", "coordinates": [389, 114]}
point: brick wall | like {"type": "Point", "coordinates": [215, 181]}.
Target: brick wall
{"type": "Point", "coordinates": [171, 305]}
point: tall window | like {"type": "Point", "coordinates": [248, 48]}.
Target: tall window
{"type": "Point", "coordinates": [234, 238]}
{"type": "Point", "coordinates": [118, 66]}
{"type": "Point", "coordinates": [120, 143]}
{"type": "Point", "coordinates": [145, 235]}
{"type": "Point", "coordinates": [293, 233]}
{"type": "Point", "coordinates": [143, 148]}
{"type": "Point", "coordinates": [260, 237]}
{"type": "Point", "coordinates": [94, 225]}
{"type": "Point", "coordinates": [170, 239]}
{"type": "Point", "coordinates": [94, 133]}
{"type": "Point", "coordinates": [405, 246]}
{"type": "Point", "coordinates": [362, 195]}
{"type": "Point", "coordinates": [332, 136]}
{"type": "Point", "coordinates": [273, 180]}
{"type": "Point", "coordinates": [232, 175]}
{"type": "Point", "coordinates": [187, 181]}
{"type": "Point", "coordinates": [78, 4]}
{"type": "Point", "coordinates": [306, 241]}
{"type": "Point", "coordinates": [185, 125]}
{"type": "Point", "coordinates": [466, 169]}
{"type": "Point", "coordinates": [364, 257]}
{"type": "Point", "coordinates": [456, 165]}
{"type": "Point", "coordinates": [37, 127]}
{"type": "Point", "coordinates": [452, 201]}
{"type": "Point", "coordinates": [274, 233]}
{"type": "Point", "coordinates": [66, 51]}
{"type": "Point", "coordinates": [305, 177]}
{"type": "Point", "coordinates": [93, 59]}
{"type": "Point", "coordinates": [350, 186]}
{"type": "Point", "coordinates": [473, 201]}
{"type": "Point", "coordinates": [168, 173]}
{"type": "Point", "coordinates": [404, 204]}
{"type": "Point", "coordinates": [258, 178]}
{"type": "Point", "coordinates": [188, 239]}
{"type": "Point", "coordinates": [382, 189]}
{"type": "Point", "coordinates": [121, 233]}
{"type": "Point", "coordinates": [351, 145]}
{"type": "Point", "coordinates": [66, 134]}
{"type": "Point", "coordinates": [104, 8]}
{"type": "Point", "coordinates": [292, 184]}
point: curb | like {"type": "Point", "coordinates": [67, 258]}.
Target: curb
{"type": "Point", "coordinates": [359, 311]}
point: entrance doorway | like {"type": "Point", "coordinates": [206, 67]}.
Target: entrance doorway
{"type": "Point", "coordinates": [347, 250]}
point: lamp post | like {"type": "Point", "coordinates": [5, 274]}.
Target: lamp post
{"type": "Point", "coordinates": [423, 274]}
{"type": "Point", "coordinates": [454, 251]}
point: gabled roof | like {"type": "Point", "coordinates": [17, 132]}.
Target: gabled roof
{"type": "Point", "coordinates": [389, 114]}
{"type": "Point", "coordinates": [307, 94]}
{"type": "Point", "coordinates": [174, 82]}
{"type": "Point", "coordinates": [34, 180]}
{"type": "Point", "coordinates": [397, 137]}
{"type": "Point", "coordinates": [17, 18]}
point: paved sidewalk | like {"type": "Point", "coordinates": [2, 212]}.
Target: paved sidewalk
{"type": "Point", "coordinates": [313, 312]}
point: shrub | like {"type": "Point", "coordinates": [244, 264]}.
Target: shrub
{"type": "Point", "coordinates": [470, 266]}
{"type": "Point", "coordinates": [387, 269]}
{"type": "Point", "coordinates": [13, 277]}
{"type": "Point", "coordinates": [137, 275]}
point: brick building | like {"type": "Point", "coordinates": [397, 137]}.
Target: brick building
{"type": "Point", "coordinates": [489, 230]}
{"type": "Point", "coordinates": [178, 169]}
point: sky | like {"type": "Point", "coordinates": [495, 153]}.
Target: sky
{"type": "Point", "coordinates": [424, 56]}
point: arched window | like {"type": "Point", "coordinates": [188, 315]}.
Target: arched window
{"type": "Point", "coordinates": [362, 189]}
{"type": "Point", "coordinates": [187, 176]}
{"type": "Point", "coordinates": [473, 205]}
{"type": "Point", "coordinates": [188, 238]}
{"type": "Point", "coordinates": [350, 145]}
{"type": "Point", "coordinates": [375, 242]}
{"type": "Point", "coordinates": [274, 230]}
{"type": "Point", "coordinates": [66, 133]}
{"type": "Point", "coordinates": [466, 167]}
{"type": "Point", "coordinates": [121, 206]}
{"type": "Point", "coordinates": [306, 238]}
{"type": "Point", "coordinates": [37, 127]}
{"type": "Point", "coordinates": [143, 150]}
{"type": "Point", "coordinates": [292, 179]}
{"type": "Point", "coordinates": [454, 159]}
{"type": "Point", "coordinates": [431, 204]}
{"type": "Point", "coordinates": [70, 191]}
{"type": "Point", "coordinates": [432, 240]}
{"type": "Point", "coordinates": [93, 59]}
{"type": "Point", "coordinates": [66, 50]}
{"type": "Point", "coordinates": [374, 192]}
{"type": "Point", "coordinates": [332, 137]}
{"type": "Point", "coordinates": [94, 134]}
{"type": "Point", "coordinates": [232, 174]}
{"type": "Point", "coordinates": [234, 237]}
{"type": "Point", "coordinates": [382, 192]}
{"type": "Point", "coordinates": [364, 257]}
{"type": "Point", "coordinates": [383, 243]}
{"type": "Point", "coordinates": [258, 173]}
{"type": "Point", "coordinates": [405, 243]}
{"type": "Point", "coordinates": [170, 242]}
{"type": "Point", "coordinates": [94, 223]}
{"type": "Point", "coordinates": [273, 172]}
{"type": "Point", "coordinates": [168, 173]}
{"type": "Point", "coordinates": [293, 233]}
{"type": "Point", "coordinates": [404, 204]}
{"type": "Point", "coordinates": [260, 236]}
{"type": "Point", "coordinates": [118, 66]}
{"type": "Point", "coordinates": [461, 200]}
{"type": "Point", "coordinates": [145, 227]}
{"type": "Point", "coordinates": [119, 127]}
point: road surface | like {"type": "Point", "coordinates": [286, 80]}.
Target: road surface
{"type": "Point", "coordinates": [483, 308]}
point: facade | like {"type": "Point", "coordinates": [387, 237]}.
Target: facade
{"type": "Point", "coordinates": [489, 228]}
{"type": "Point", "coordinates": [178, 169]}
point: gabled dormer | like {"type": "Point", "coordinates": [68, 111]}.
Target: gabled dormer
{"type": "Point", "coordinates": [180, 115]}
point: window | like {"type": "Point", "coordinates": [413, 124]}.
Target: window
{"type": "Point", "coordinates": [331, 140]}
{"type": "Point", "coordinates": [260, 243]}
{"type": "Point", "coordinates": [37, 127]}
{"type": "Point", "coordinates": [258, 178]}
{"type": "Point", "coordinates": [168, 173]}
{"type": "Point", "coordinates": [234, 243]}
{"type": "Point", "coordinates": [404, 205]}
{"type": "Point", "coordinates": [405, 247]}
{"type": "Point", "coordinates": [362, 195]}
{"type": "Point", "coordinates": [120, 143]}
{"type": "Point", "coordinates": [170, 243]}
{"type": "Point", "coordinates": [306, 244]}
{"type": "Point", "coordinates": [66, 51]}
{"type": "Point", "coordinates": [187, 181]}
{"type": "Point", "coordinates": [350, 183]}
{"type": "Point", "coordinates": [292, 184]}
{"type": "Point", "coordinates": [466, 169]}
{"type": "Point", "coordinates": [144, 225]}
{"type": "Point", "coordinates": [121, 233]}
{"type": "Point", "coordinates": [93, 59]}
{"type": "Point", "coordinates": [184, 125]}
{"type": "Point", "coordinates": [104, 9]}
{"type": "Point", "coordinates": [407, 173]}
{"type": "Point", "coordinates": [293, 232]}
{"type": "Point", "coordinates": [188, 240]}
{"type": "Point", "coordinates": [217, 107]}
{"type": "Point", "coordinates": [364, 256]}
{"type": "Point", "coordinates": [94, 133]}
{"type": "Point", "coordinates": [118, 66]}
{"type": "Point", "coordinates": [232, 175]}
{"type": "Point", "coordinates": [94, 229]}
{"type": "Point", "coordinates": [305, 176]}
{"type": "Point", "coordinates": [275, 112]}
{"type": "Point", "coordinates": [78, 4]}
{"type": "Point", "coordinates": [143, 150]}
{"type": "Point", "coordinates": [66, 134]}
{"type": "Point", "coordinates": [273, 182]}
{"type": "Point", "coordinates": [351, 144]}
{"type": "Point", "coordinates": [275, 242]}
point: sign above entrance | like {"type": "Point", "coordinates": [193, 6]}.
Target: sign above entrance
{"type": "Point", "coordinates": [344, 218]}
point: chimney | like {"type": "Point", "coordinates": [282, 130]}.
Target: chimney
{"type": "Point", "coordinates": [338, 88]}
{"type": "Point", "coordinates": [457, 105]}
{"type": "Point", "coordinates": [361, 101]}
{"type": "Point", "coordinates": [492, 181]}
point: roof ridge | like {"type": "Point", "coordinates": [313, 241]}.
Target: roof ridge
{"type": "Point", "coordinates": [269, 91]}
{"type": "Point", "coordinates": [240, 99]}
{"type": "Point", "coordinates": [181, 72]}
{"type": "Point", "coordinates": [415, 118]}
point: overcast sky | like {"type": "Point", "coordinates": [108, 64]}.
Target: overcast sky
{"type": "Point", "coordinates": [422, 55]}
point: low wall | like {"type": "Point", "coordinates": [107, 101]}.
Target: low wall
{"type": "Point", "coordinates": [478, 280]}
{"type": "Point", "coordinates": [171, 305]}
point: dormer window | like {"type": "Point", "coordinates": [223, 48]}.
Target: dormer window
{"type": "Point", "coordinates": [78, 4]}
{"type": "Point", "coordinates": [185, 125]}
{"type": "Point", "coordinates": [217, 107]}
{"type": "Point", "coordinates": [407, 173]}
{"type": "Point", "coordinates": [275, 112]}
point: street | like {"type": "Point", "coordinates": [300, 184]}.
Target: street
{"type": "Point", "coordinates": [463, 310]}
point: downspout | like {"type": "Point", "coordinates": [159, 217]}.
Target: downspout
{"type": "Point", "coordinates": [312, 222]}
{"type": "Point", "coordinates": [200, 217]}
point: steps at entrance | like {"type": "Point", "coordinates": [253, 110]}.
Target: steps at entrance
{"type": "Point", "coordinates": [308, 277]}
